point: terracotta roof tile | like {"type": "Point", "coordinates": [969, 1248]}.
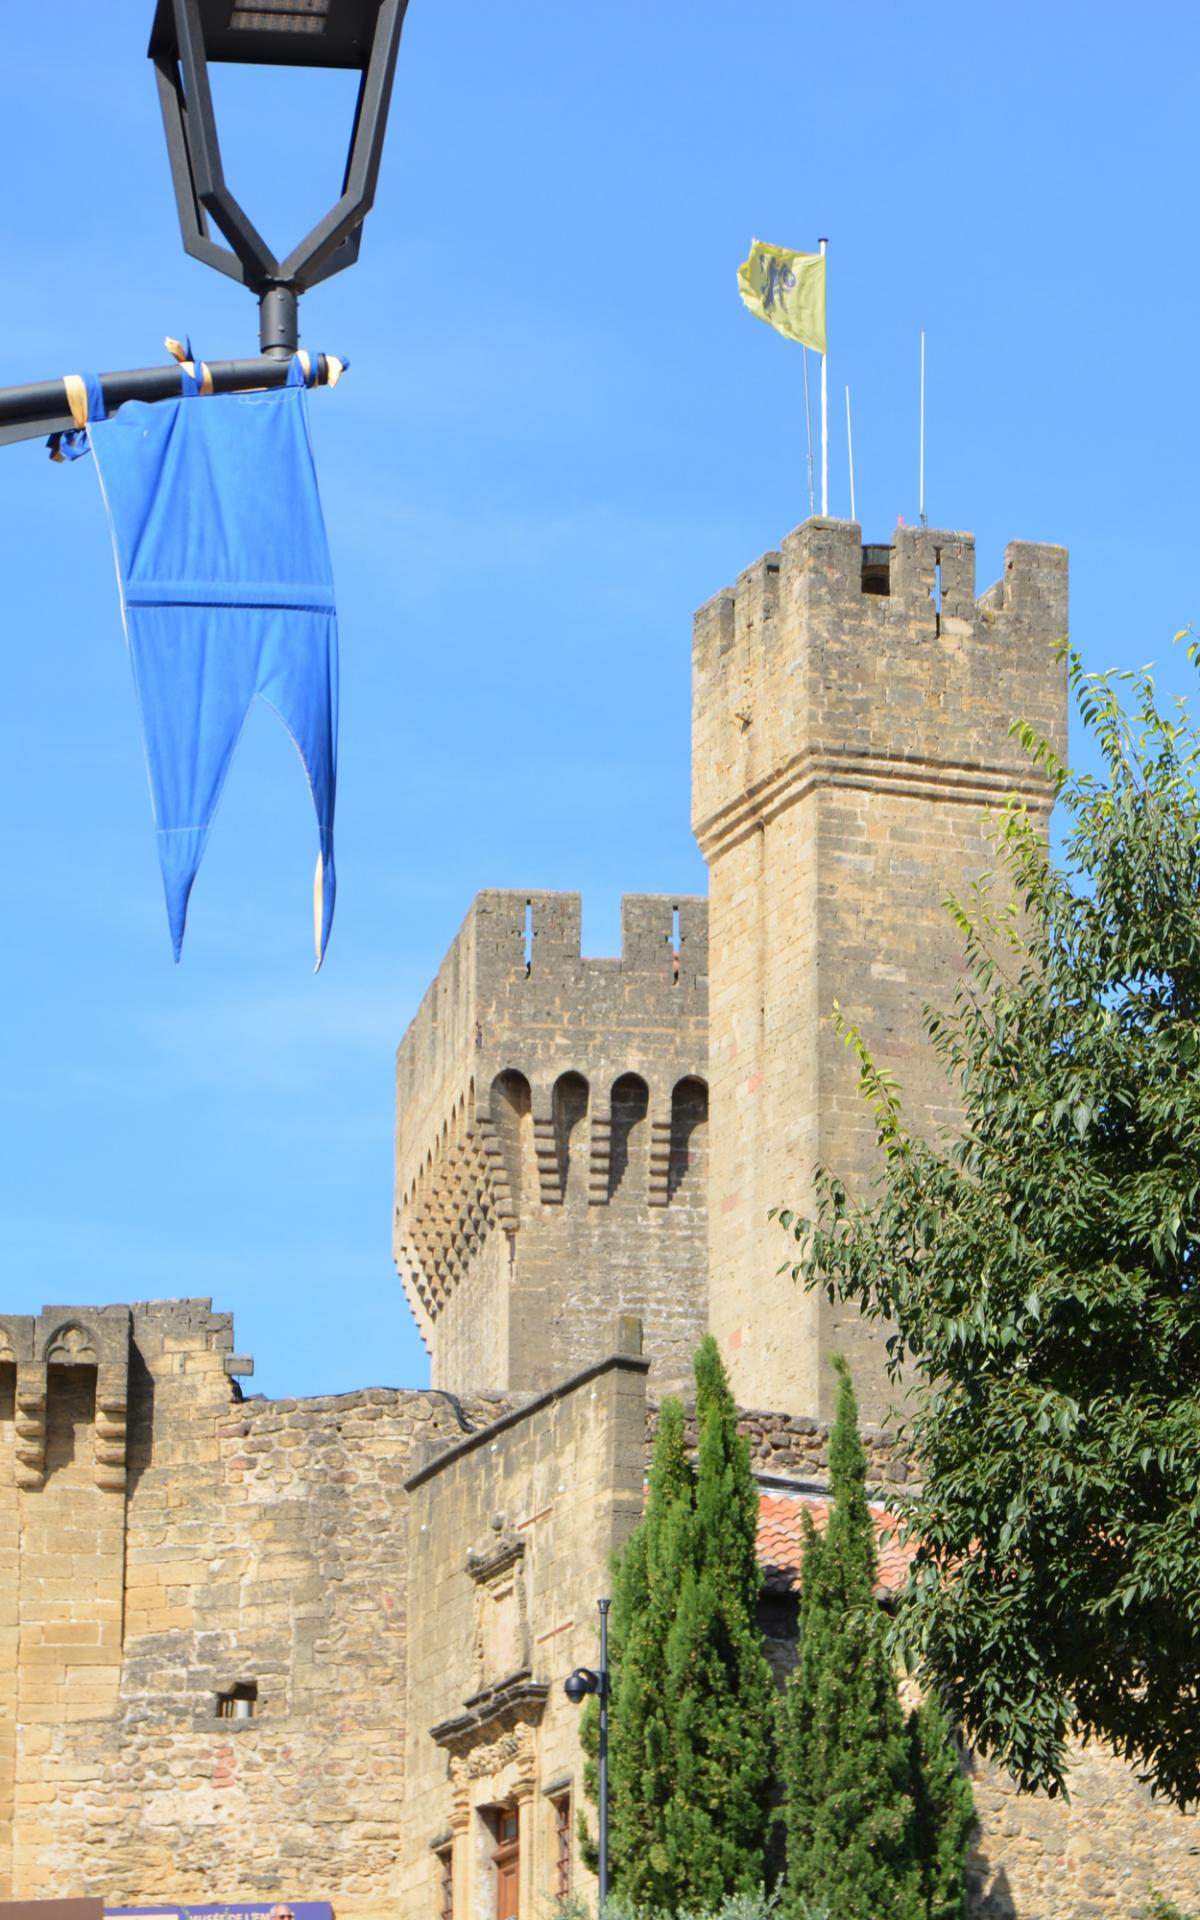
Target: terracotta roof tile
{"type": "Point", "coordinates": [781, 1540]}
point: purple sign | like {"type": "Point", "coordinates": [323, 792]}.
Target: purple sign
{"type": "Point", "coordinates": [243, 1910]}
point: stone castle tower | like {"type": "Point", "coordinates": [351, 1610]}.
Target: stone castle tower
{"type": "Point", "coordinates": [550, 1143]}
{"type": "Point", "coordinates": [851, 712]}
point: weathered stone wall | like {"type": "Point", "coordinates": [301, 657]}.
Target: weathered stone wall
{"type": "Point", "coordinates": [511, 1534]}
{"type": "Point", "coordinates": [261, 1544]}
{"type": "Point", "coordinates": [851, 725]}
{"type": "Point", "coordinates": [550, 1144]}
{"type": "Point", "coordinates": [405, 1648]}
{"type": "Point", "coordinates": [796, 1448]}
{"type": "Point", "coordinates": [62, 1478]}
{"type": "Point", "coordinates": [10, 1618]}
{"type": "Point", "coordinates": [1100, 1857]}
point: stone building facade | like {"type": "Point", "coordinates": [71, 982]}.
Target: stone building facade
{"type": "Point", "coordinates": [260, 1650]}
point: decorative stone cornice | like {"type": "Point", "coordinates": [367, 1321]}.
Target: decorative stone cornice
{"type": "Point", "coordinates": [915, 777]}
{"type": "Point", "coordinates": [515, 1701]}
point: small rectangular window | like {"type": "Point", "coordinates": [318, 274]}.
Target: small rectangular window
{"type": "Point", "coordinates": [562, 1845]}
{"type": "Point", "coordinates": [445, 1883]}
{"type": "Point", "coordinates": [240, 1703]}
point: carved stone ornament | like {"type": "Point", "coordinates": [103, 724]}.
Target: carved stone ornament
{"type": "Point", "coordinates": [71, 1346]}
{"type": "Point", "coordinates": [519, 1744]}
{"type": "Point", "coordinates": [502, 1641]}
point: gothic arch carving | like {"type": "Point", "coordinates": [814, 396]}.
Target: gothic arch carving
{"type": "Point", "coordinates": [73, 1344]}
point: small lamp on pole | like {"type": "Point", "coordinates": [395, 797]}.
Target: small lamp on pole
{"type": "Point", "coordinates": [577, 1686]}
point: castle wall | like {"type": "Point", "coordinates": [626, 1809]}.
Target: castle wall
{"type": "Point", "coordinates": [511, 1535]}
{"type": "Point", "coordinates": [403, 1580]}
{"type": "Point", "coordinates": [1100, 1856]}
{"type": "Point", "coordinates": [551, 1141]}
{"type": "Point", "coordinates": [10, 1618]}
{"type": "Point", "coordinates": [259, 1544]}
{"type": "Point", "coordinates": [847, 742]}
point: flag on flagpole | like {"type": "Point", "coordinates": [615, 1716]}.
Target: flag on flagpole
{"type": "Point", "coordinates": [787, 290]}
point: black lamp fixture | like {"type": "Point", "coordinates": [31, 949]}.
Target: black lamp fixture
{"type": "Point", "coordinates": [361, 36]}
{"type": "Point", "coordinates": [577, 1686]}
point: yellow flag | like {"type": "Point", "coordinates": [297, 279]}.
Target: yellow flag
{"type": "Point", "coordinates": [787, 290]}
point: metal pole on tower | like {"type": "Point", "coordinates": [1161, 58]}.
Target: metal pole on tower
{"type": "Point", "coordinates": [812, 498]}
{"type": "Point", "coordinates": [922, 485]}
{"type": "Point", "coordinates": [850, 451]}
{"type": "Point", "coordinates": [824, 417]}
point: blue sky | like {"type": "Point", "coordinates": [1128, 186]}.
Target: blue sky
{"type": "Point", "coordinates": [560, 434]}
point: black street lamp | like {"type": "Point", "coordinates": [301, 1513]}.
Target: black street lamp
{"type": "Point", "coordinates": [577, 1686]}
{"type": "Point", "coordinates": [362, 36]}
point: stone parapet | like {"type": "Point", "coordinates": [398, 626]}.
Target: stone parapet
{"type": "Point", "coordinates": [796, 1448]}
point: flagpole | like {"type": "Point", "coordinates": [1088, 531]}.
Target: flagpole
{"type": "Point", "coordinates": [812, 498]}
{"type": "Point", "coordinates": [922, 500]}
{"type": "Point", "coordinates": [850, 450]}
{"type": "Point", "coordinates": [824, 419]}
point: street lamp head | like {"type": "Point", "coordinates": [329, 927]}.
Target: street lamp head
{"type": "Point", "coordinates": [579, 1684]}
{"type": "Point", "coordinates": [273, 33]}
{"type": "Point", "coordinates": [360, 35]}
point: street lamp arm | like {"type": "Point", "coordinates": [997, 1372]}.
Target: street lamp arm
{"type": "Point", "coordinates": [42, 406]}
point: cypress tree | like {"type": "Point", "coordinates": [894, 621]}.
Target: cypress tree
{"type": "Point", "coordinates": [850, 1820]}
{"type": "Point", "coordinates": [945, 1812]}
{"type": "Point", "coordinates": [691, 1711]}
{"type": "Point", "coordinates": [645, 1591]}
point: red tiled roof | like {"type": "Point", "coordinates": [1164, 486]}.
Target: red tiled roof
{"type": "Point", "coordinates": [781, 1540]}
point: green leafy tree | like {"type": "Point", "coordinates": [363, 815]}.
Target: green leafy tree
{"type": "Point", "coordinates": [850, 1821]}
{"type": "Point", "coordinates": [692, 1695]}
{"type": "Point", "coordinates": [1041, 1267]}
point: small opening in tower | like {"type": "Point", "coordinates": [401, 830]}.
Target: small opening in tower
{"type": "Point", "coordinates": [675, 946]}
{"type": "Point", "coordinates": [240, 1702]}
{"type": "Point", "coordinates": [877, 570]}
{"type": "Point", "coordinates": [936, 591]}
{"type": "Point", "coordinates": [528, 938]}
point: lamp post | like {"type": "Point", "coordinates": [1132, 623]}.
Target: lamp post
{"type": "Point", "coordinates": [361, 36]}
{"type": "Point", "coordinates": [577, 1686]}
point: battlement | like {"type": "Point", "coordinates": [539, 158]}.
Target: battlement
{"type": "Point", "coordinates": [516, 990]}
{"type": "Point", "coordinates": [834, 661]}
{"type": "Point", "coordinates": [537, 1081]}
{"type": "Point", "coordinates": [84, 1352]}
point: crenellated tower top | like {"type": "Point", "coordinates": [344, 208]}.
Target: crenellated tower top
{"type": "Point", "coordinates": [836, 662]}
{"type": "Point", "coordinates": [551, 1111]}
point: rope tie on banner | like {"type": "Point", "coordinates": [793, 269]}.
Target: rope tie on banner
{"type": "Point", "coordinates": [77, 398]}
{"type": "Point", "coordinates": [181, 350]}
{"type": "Point", "coordinates": [85, 401]}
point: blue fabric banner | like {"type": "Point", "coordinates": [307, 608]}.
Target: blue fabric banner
{"type": "Point", "coordinates": [226, 593]}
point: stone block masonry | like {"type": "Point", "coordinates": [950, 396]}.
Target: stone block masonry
{"type": "Point", "coordinates": [238, 1558]}
{"type": "Point", "coordinates": [511, 1536]}
{"type": "Point", "coordinates": [852, 709]}
{"type": "Point", "coordinates": [550, 1141]}
{"type": "Point", "coordinates": [314, 1647]}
